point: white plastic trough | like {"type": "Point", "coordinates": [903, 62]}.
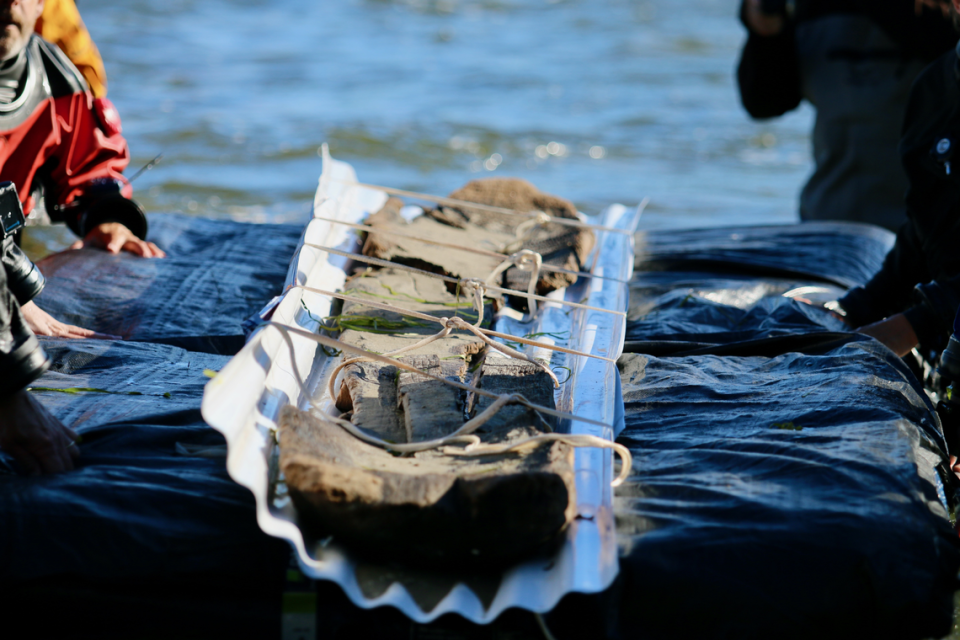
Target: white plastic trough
{"type": "Point", "coordinates": [244, 400]}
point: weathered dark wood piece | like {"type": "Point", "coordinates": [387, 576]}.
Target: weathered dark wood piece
{"type": "Point", "coordinates": [430, 408]}
{"type": "Point", "coordinates": [559, 245]}
{"type": "Point", "coordinates": [369, 390]}
{"type": "Point", "coordinates": [506, 376]}
{"type": "Point", "coordinates": [435, 507]}
{"type": "Point", "coordinates": [429, 508]}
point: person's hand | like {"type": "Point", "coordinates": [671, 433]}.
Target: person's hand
{"type": "Point", "coordinates": [761, 23]}
{"type": "Point", "coordinates": [43, 324]}
{"type": "Point", "coordinates": [37, 441]}
{"type": "Point", "coordinates": [895, 332]}
{"type": "Point", "coordinates": [115, 237]}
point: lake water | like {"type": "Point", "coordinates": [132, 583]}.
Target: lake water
{"type": "Point", "coordinates": [599, 102]}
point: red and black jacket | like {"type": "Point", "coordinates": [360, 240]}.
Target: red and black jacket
{"type": "Point", "coordinates": [59, 145]}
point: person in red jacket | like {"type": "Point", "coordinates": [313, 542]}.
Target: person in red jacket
{"type": "Point", "coordinates": [63, 150]}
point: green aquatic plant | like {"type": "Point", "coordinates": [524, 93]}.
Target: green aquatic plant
{"type": "Point", "coordinates": [786, 426]}
{"type": "Point", "coordinates": [79, 390]}
{"type": "Point", "coordinates": [370, 324]}
{"type": "Point", "coordinates": [556, 335]}
{"type": "Point", "coordinates": [327, 351]}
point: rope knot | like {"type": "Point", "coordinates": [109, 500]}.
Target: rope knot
{"type": "Point", "coordinates": [454, 323]}
{"type": "Point", "coordinates": [473, 285]}
{"type": "Point", "coordinates": [524, 260]}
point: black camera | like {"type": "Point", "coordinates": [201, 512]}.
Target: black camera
{"type": "Point", "coordinates": [23, 277]}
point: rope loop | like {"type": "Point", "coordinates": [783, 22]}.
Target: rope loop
{"type": "Point", "coordinates": [525, 260]}
{"type": "Point", "coordinates": [525, 231]}
{"type": "Point", "coordinates": [463, 435]}
{"type": "Point", "coordinates": [477, 288]}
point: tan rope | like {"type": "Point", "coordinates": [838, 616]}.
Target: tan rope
{"type": "Point", "coordinates": [366, 228]}
{"type": "Point", "coordinates": [525, 260]}
{"type": "Point", "coordinates": [462, 435]}
{"type": "Point", "coordinates": [459, 281]}
{"type": "Point", "coordinates": [423, 316]}
{"type": "Point", "coordinates": [525, 231]}
{"type": "Point", "coordinates": [449, 324]}
{"type": "Point", "coordinates": [571, 439]}
{"type": "Point", "coordinates": [568, 222]}
{"type": "Point", "coordinates": [331, 343]}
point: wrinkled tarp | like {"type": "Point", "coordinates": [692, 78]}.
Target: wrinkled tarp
{"type": "Point", "coordinates": [151, 495]}
{"type": "Point", "coordinates": [789, 493]}
{"type": "Point", "coordinates": [794, 491]}
{"type": "Point", "coordinates": [841, 253]}
{"type": "Point", "coordinates": [794, 494]}
{"type": "Point", "coordinates": [216, 274]}
{"type": "Point", "coordinates": [681, 306]}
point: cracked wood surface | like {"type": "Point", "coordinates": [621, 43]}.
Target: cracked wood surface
{"type": "Point", "coordinates": [433, 506]}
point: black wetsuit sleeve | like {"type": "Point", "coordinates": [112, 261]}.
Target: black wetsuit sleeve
{"type": "Point", "coordinates": [933, 314]}
{"type": "Point", "coordinates": [22, 360]}
{"type": "Point", "coordinates": [890, 291]}
{"type": "Point", "coordinates": [768, 74]}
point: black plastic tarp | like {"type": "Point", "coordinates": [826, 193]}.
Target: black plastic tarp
{"type": "Point", "coordinates": [841, 253]}
{"type": "Point", "coordinates": [794, 495]}
{"type": "Point", "coordinates": [217, 274]}
{"type": "Point", "coordinates": [682, 306]}
{"type": "Point", "coordinates": [151, 495]}
{"type": "Point", "coordinates": [789, 479]}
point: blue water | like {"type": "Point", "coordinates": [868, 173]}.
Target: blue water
{"type": "Point", "coordinates": [427, 94]}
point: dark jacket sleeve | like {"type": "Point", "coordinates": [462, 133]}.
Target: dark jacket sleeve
{"type": "Point", "coordinates": [768, 74]}
{"type": "Point", "coordinates": [890, 291]}
{"type": "Point", "coordinates": [22, 360]}
{"type": "Point", "coordinates": [933, 314]}
{"type": "Point", "coordinates": [926, 245]}
{"type": "Point", "coordinates": [921, 31]}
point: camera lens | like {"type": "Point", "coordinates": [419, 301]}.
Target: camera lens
{"type": "Point", "coordinates": [23, 277]}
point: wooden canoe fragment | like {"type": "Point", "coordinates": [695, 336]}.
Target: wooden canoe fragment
{"type": "Point", "coordinates": [435, 507]}
{"type": "Point", "coordinates": [430, 407]}
{"type": "Point", "coordinates": [369, 390]}
{"type": "Point", "coordinates": [559, 245]}
{"type": "Point", "coordinates": [427, 508]}
{"type": "Point", "coordinates": [505, 376]}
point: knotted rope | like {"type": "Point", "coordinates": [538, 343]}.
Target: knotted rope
{"type": "Point", "coordinates": [456, 281]}
{"type": "Point", "coordinates": [366, 228]}
{"type": "Point", "coordinates": [525, 231]}
{"type": "Point", "coordinates": [435, 319]}
{"type": "Point", "coordinates": [525, 260]}
{"type": "Point", "coordinates": [463, 435]}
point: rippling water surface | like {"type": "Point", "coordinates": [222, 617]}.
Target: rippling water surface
{"type": "Point", "coordinates": [599, 101]}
